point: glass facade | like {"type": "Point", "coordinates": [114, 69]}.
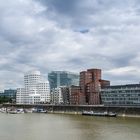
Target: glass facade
{"type": "Point", "coordinates": [128, 95]}
{"type": "Point", "coordinates": [62, 78]}
{"type": "Point", "coordinates": [10, 93]}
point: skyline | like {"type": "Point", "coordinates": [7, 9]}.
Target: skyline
{"type": "Point", "coordinates": [76, 35]}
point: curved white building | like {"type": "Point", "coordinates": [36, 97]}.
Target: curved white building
{"type": "Point", "coordinates": [36, 89]}
{"type": "Point", "coordinates": [43, 88]}
{"type": "Point", "coordinates": [31, 79]}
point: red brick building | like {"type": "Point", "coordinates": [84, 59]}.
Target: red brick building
{"type": "Point", "coordinates": [90, 85]}
{"type": "Point", "coordinates": [76, 97]}
{"type": "Point", "coordinates": [104, 83]}
{"type": "Point", "coordinates": [89, 90]}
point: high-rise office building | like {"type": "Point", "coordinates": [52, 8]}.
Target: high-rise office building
{"type": "Point", "coordinates": [90, 86]}
{"type": "Point", "coordinates": [36, 89]}
{"type": "Point", "coordinates": [62, 78]}
{"type": "Point", "coordinates": [88, 91]}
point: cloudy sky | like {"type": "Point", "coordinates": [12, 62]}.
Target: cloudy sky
{"type": "Point", "coordinates": [71, 35]}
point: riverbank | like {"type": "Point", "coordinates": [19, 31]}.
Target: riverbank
{"type": "Point", "coordinates": [121, 111]}
{"type": "Point", "coordinates": [80, 113]}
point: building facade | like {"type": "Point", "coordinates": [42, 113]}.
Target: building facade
{"type": "Point", "coordinates": [60, 95]}
{"type": "Point", "coordinates": [36, 90]}
{"type": "Point", "coordinates": [43, 89]}
{"type": "Point", "coordinates": [121, 95]}
{"type": "Point", "coordinates": [56, 96]}
{"type": "Point", "coordinates": [90, 85]}
{"type": "Point", "coordinates": [31, 79]}
{"type": "Point", "coordinates": [76, 97]}
{"type": "Point", "coordinates": [65, 94]}
{"type": "Point", "coordinates": [22, 96]}
{"type": "Point", "coordinates": [9, 93]}
{"type": "Point", "coordinates": [62, 78]}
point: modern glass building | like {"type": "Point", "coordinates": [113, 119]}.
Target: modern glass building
{"type": "Point", "coordinates": [62, 78]}
{"type": "Point", "coordinates": [10, 93]}
{"type": "Point", "coordinates": [121, 95]}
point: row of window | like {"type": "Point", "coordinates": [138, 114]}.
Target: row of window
{"type": "Point", "coordinates": [122, 103]}
{"type": "Point", "coordinates": [126, 99]}
{"type": "Point", "coordinates": [120, 95]}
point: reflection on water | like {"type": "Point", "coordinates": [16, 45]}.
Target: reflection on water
{"type": "Point", "coordinates": [67, 127]}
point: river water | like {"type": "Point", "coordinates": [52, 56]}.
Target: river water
{"type": "Point", "coordinates": [67, 127]}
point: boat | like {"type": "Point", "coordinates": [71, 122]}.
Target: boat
{"type": "Point", "coordinates": [88, 113]}
{"type": "Point", "coordinates": [20, 111]}
{"type": "Point", "coordinates": [42, 111]}
{"type": "Point", "coordinates": [111, 114]}
{"type": "Point", "coordinates": [39, 110]}
{"type": "Point", "coordinates": [15, 111]}
{"type": "Point", "coordinates": [28, 111]}
{"type": "Point", "coordinates": [12, 111]}
{"type": "Point", "coordinates": [104, 114]}
{"type": "Point", "coordinates": [3, 110]}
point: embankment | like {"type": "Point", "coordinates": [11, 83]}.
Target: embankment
{"type": "Point", "coordinates": [130, 111]}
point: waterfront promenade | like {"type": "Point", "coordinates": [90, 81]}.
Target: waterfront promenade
{"type": "Point", "coordinates": [77, 109]}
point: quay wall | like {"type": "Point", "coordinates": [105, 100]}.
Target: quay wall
{"type": "Point", "coordinates": [77, 109]}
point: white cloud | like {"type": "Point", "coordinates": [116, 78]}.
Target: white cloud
{"type": "Point", "coordinates": [122, 71]}
{"type": "Point", "coordinates": [36, 35]}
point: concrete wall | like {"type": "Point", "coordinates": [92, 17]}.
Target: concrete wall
{"type": "Point", "coordinates": [74, 109]}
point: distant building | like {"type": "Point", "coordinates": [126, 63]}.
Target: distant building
{"type": "Point", "coordinates": [56, 96]}
{"type": "Point", "coordinates": [36, 90]}
{"type": "Point", "coordinates": [76, 97]}
{"type": "Point", "coordinates": [31, 79]}
{"type": "Point", "coordinates": [90, 85]}
{"type": "Point", "coordinates": [60, 95]}
{"type": "Point", "coordinates": [22, 96]}
{"type": "Point", "coordinates": [121, 95]}
{"type": "Point", "coordinates": [62, 78]}
{"type": "Point", "coordinates": [9, 93]}
{"type": "Point", "coordinates": [65, 94]}
{"type": "Point", "coordinates": [43, 89]}
{"type": "Point", "coordinates": [104, 83]}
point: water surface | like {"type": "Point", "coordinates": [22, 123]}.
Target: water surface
{"type": "Point", "coordinates": [67, 127]}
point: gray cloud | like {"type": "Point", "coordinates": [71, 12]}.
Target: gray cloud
{"type": "Point", "coordinates": [90, 13]}
{"type": "Point", "coordinates": [46, 35]}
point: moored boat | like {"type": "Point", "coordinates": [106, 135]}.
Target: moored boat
{"type": "Point", "coordinates": [20, 111]}
{"type": "Point", "coordinates": [12, 111]}
{"type": "Point", "coordinates": [15, 111]}
{"type": "Point", "coordinates": [105, 114]}
{"type": "Point", "coordinates": [3, 110]}
{"type": "Point", "coordinates": [39, 110]}
{"type": "Point", "coordinates": [28, 111]}
{"type": "Point", "coordinates": [111, 114]}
